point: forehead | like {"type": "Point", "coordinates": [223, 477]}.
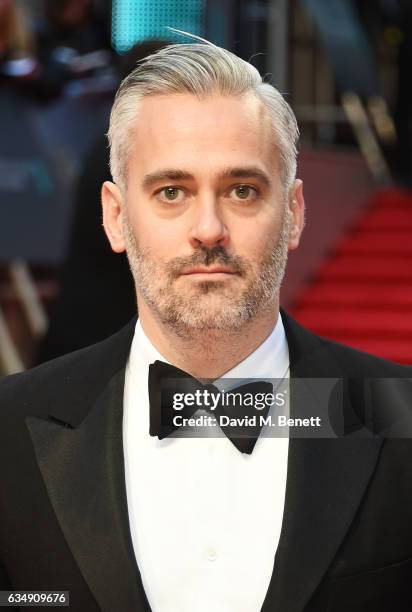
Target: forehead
{"type": "Point", "coordinates": [201, 135]}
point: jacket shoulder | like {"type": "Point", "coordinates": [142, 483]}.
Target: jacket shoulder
{"type": "Point", "coordinates": [80, 372]}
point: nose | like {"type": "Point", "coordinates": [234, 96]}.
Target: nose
{"type": "Point", "coordinates": [208, 228]}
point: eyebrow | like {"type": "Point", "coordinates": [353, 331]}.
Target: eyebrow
{"type": "Point", "coordinates": [173, 174]}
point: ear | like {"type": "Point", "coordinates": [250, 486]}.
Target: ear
{"type": "Point", "coordinates": [112, 204]}
{"type": "Point", "coordinates": [296, 205]}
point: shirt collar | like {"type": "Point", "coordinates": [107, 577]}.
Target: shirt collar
{"type": "Point", "coordinates": [269, 360]}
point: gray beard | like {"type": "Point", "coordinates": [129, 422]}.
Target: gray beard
{"type": "Point", "coordinates": [187, 315]}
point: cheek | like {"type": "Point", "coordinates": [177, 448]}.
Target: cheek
{"type": "Point", "coordinates": [256, 238]}
{"type": "Point", "coordinates": [161, 240]}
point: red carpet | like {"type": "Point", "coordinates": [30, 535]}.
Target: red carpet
{"type": "Point", "coordinates": [362, 295]}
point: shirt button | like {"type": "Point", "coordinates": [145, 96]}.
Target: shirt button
{"type": "Point", "coordinates": [211, 554]}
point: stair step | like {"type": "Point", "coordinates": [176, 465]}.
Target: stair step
{"type": "Point", "coordinates": [392, 198]}
{"type": "Point", "coordinates": [377, 243]}
{"type": "Point", "coordinates": [387, 219]}
{"type": "Point", "coordinates": [396, 349]}
{"type": "Point", "coordinates": [374, 296]}
{"type": "Point", "coordinates": [347, 267]}
{"type": "Point", "coordinates": [351, 322]}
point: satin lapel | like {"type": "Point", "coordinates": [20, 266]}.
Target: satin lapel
{"type": "Point", "coordinates": [83, 470]}
{"type": "Point", "coordinates": [326, 481]}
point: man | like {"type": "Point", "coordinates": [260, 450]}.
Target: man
{"type": "Point", "coordinates": [206, 204]}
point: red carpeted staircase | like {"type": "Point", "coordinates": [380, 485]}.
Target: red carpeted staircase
{"type": "Point", "coordinates": [362, 294]}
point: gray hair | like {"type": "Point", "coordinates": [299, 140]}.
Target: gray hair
{"type": "Point", "coordinates": [199, 69]}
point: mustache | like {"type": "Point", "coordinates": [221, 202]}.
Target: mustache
{"type": "Point", "coordinates": [205, 257]}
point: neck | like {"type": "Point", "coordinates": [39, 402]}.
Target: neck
{"type": "Point", "coordinates": [210, 353]}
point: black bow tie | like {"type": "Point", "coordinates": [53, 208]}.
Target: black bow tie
{"type": "Point", "coordinates": [165, 381]}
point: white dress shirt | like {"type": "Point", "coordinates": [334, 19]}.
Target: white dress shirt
{"type": "Point", "coordinates": [205, 518]}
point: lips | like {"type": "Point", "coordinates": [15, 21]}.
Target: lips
{"type": "Point", "coordinates": [211, 271]}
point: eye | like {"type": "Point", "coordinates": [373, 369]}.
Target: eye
{"type": "Point", "coordinates": [244, 192]}
{"type": "Point", "coordinates": [170, 194]}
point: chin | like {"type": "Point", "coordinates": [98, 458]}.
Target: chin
{"type": "Point", "coordinates": [213, 317]}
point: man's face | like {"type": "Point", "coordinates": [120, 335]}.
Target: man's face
{"type": "Point", "coordinates": [205, 218]}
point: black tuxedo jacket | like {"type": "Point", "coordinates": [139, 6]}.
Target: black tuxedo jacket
{"type": "Point", "coordinates": [346, 539]}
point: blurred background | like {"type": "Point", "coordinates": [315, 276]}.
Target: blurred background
{"type": "Point", "coordinates": [343, 65]}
